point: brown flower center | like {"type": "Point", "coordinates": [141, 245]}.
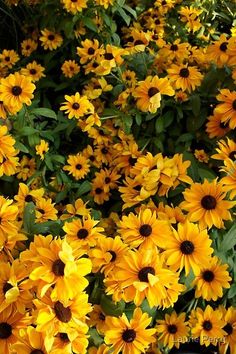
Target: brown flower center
{"type": "Point", "coordinates": [232, 155]}
{"type": "Point", "coordinates": [91, 51]}
{"type": "Point", "coordinates": [129, 335]}
{"type": "Point", "coordinates": [208, 276]}
{"type": "Point", "coordinates": [78, 166]}
{"type": "Point", "coordinates": [75, 105]}
{"type": "Point", "coordinates": [98, 190]}
{"type": "Point", "coordinates": [5, 330]}
{"type": "Point", "coordinates": [187, 247]}
{"type": "Point", "coordinates": [58, 268]}
{"type": "Point", "coordinates": [152, 91]}
{"type": "Point", "coordinates": [101, 316]}
{"type": "Point", "coordinates": [16, 90]}
{"type": "Point", "coordinates": [33, 71]}
{"type": "Point", "coordinates": [207, 325]}
{"type": "Point", "coordinates": [172, 328]}
{"type": "Point", "coordinates": [37, 351]}
{"type": "Point", "coordinates": [107, 180]}
{"type": "Point", "coordinates": [113, 256]}
{"type": "Point", "coordinates": [143, 273]}
{"type": "Point", "coordinates": [145, 230]}
{"type": "Point", "coordinates": [174, 47]}
{"type": "Point", "coordinates": [108, 56]}
{"type": "Point", "coordinates": [29, 198]}
{"type": "Point", "coordinates": [27, 47]}
{"type": "Point", "coordinates": [228, 328]}
{"type": "Point", "coordinates": [138, 41]}
{"type": "Point", "coordinates": [41, 211]}
{"type": "Point", "coordinates": [7, 58]}
{"type": "Point", "coordinates": [208, 202]}
{"type": "Point", "coordinates": [51, 37]}
{"type": "Point", "coordinates": [132, 160]}
{"type": "Point", "coordinates": [6, 287]}
{"type": "Point", "coordinates": [223, 46]}
{"type": "Point", "coordinates": [184, 72]}
{"type": "Point", "coordinates": [64, 337]}
{"type": "Point", "coordinates": [157, 21]}
{"type": "Point", "coordinates": [62, 313]}
{"type": "Point", "coordinates": [104, 151]}
{"type": "Point", "coordinates": [234, 105]}
{"type": "Point", "coordinates": [82, 234]}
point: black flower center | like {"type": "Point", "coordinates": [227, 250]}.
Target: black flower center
{"type": "Point", "coordinates": [208, 202]}
{"type": "Point", "coordinates": [78, 166]}
{"type": "Point", "coordinates": [6, 287]}
{"type": "Point", "coordinates": [27, 47]}
{"type": "Point", "coordinates": [157, 21]}
{"type": "Point", "coordinates": [75, 105]}
{"type": "Point", "coordinates": [107, 180]}
{"type": "Point", "coordinates": [232, 155]}
{"type": "Point", "coordinates": [64, 337]}
{"type": "Point", "coordinates": [29, 198]}
{"type": "Point", "coordinates": [132, 160]}
{"type": "Point", "coordinates": [58, 268]}
{"type": "Point", "coordinates": [33, 71]}
{"type": "Point", "coordinates": [51, 37]}
{"type": "Point", "coordinates": [228, 328]}
{"type": "Point", "coordinates": [223, 46]}
{"type": "Point", "coordinates": [174, 47]}
{"type": "Point", "coordinates": [129, 335]}
{"type": "Point", "coordinates": [7, 58]}
{"type": "Point", "coordinates": [104, 150]}
{"type": "Point", "coordinates": [101, 316]}
{"type": "Point", "coordinates": [113, 256]}
{"type": "Point", "coordinates": [108, 56]}
{"type": "Point", "coordinates": [37, 351]}
{"type": "Point", "coordinates": [223, 125]}
{"type": "Point", "coordinates": [82, 234]}
{"type": "Point", "coordinates": [92, 158]}
{"type": "Point", "coordinates": [62, 313]}
{"type": "Point", "coordinates": [95, 65]}
{"type": "Point", "coordinates": [16, 90]}
{"type": "Point", "coordinates": [41, 211]}
{"type": "Point", "coordinates": [187, 247]}
{"type": "Point", "coordinates": [98, 190]}
{"type": "Point", "coordinates": [208, 276]}
{"type": "Point", "coordinates": [145, 230]}
{"type": "Point", "coordinates": [91, 51]}
{"type": "Point", "coordinates": [172, 329]}
{"type": "Point", "coordinates": [143, 273]}
{"type": "Point", "coordinates": [234, 105]}
{"type": "Point", "coordinates": [152, 91]}
{"type": "Point", "coordinates": [5, 330]}
{"type": "Point", "coordinates": [207, 325]}
{"type": "Point", "coordinates": [184, 72]}
{"type": "Point", "coordinates": [138, 41]}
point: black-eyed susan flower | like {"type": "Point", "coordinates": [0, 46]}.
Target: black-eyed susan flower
{"type": "Point", "coordinates": [173, 330]}
{"type": "Point", "coordinates": [104, 3]}
{"type": "Point", "coordinates": [26, 195]}
{"type": "Point", "coordinates": [28, 46]}
{"type": "Point", "coordinates": [208, 326]}
{"type": "Point", "coordinates": [215, 128]}
{"type": "Point", "coordinates": [9, 165]}
{"type": "Point", "coordinates": [78, 208]}
{"type": "Point", "coordinates": [34, 71]}
{"type": "Point", "coordinates": [227, 109]}
{"type": "Point", "coordinates": [187, 248]}
{"type": "Point", "coordinates": [42, 148]}
{"type": "Point", "coordinates": [97, 318]}
{"type": "Point", "coordinates": [70, 68]}
{"type": "Point", "coordinates": [15, 90]}
{"type": "Point", "coordinates": [45, 210]}
{"type": "Point", "coordinates": [184, 77]}
{"type": "Point", "coordinates": [229, 181]}
{"type": "Point", "coordinates": [217, 52]}
{"type": "Point", "coordinates": [205, 202]}
{"type": "Point", "coordinates": [175, 51]}
{"type": "Point", "coordinates": [201, 155]}
{"type": "Point", "coordinates": [148, 93]}
{"type": "Point", "coordinates": [50, 40]}
{"type": "Point", "coordinates": [98, 192]}
{"type": "Point", "coordinates": [211, 280]}
{"type": "Point", "coordinates": [129, 337]}
{"type": "Point", "coordinates": [226, 150]}
{"type": "Point", "coordinates": [74, 6]}
{"type": "Point", "coordinates": [143, 274]}
{"type": "Point", "coordinates": [31, 341]}
{"type": "Point", "coordinates": [6, 143]}
{"type": "Point", "coordinates": [144, 229]}
{"type": "Point", "coordinates": [26, 168]}
{"type": "Point", "coordinates": [89, 50]}
{"type": "Point", "coordinates": [78, 166]}
{"type": "Point", "coordinates": [71, 340]}
{"type": "Point", "coordinates": [77, 106]}
{"type": "Point", "coordinates": [229, 317]}
{"type": "Point", "coordinates": [102, 349]}
{"type": "Point", "coordinates": [8, 58]}
{"type": "Point", "coordinates": [8, 215]}
{"type": "Point", "coordinates": [190, 16]}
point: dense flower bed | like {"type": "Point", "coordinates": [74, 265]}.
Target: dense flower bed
{"type": "Point", "coordinates": [118, 176]}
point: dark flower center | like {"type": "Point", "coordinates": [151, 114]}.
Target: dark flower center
{"type": "Point", "coordinates": [104, 150]}
{"type": "Point", "coordinates": [228, 328]}
{"type": "Point", "coordinates": [113, 256]}
{"type": "Point", "coordinates": [16, 90]}
{"type": "Point", "coordinates": [172, 329]}
{"type": "Point", "coordinates": [187, 247]}
{"type": "Point", "coordinates": [232, 155]}
{"type": "Point", "coordinates": [51, 37]}
{"type": "Point", "coordinates": [137, 188]}
{"type": "Point", "coordinates": [7, 58]}
{"type": "Point", "coordinates": [78, 166]}
{"type": "Point", "coordinates": [29, 198]}
{"type": "Point", "coordinates": [145, 230]}
{"type": "Point", "coordinates": [41, 211]}
{"type": "Point", "coordinates": [223, 125]}
{"type": "Point", "coordinates": [157, 21]}
{"type": "Point", "coordinates": [92, 158]}
{"type": "Point", "coordinates": [143, 273]}
{"type": "Point", "coordinates": [98, 190]}
{"type": "Point", "coordinates": [132, 160]}
{"type": "Point", "coordinates": [6, 287]}
{"type": "Point", "coordinates": [184, 72]}
{"type": "Point", "coordinates": [108, 56]}
{"type": "Point", "coordinates": [207, 325]}
{"type": "Point", "coordinates": [82, 234]}
{"type": "Point", "coordinates": [33, 71]}
{"type": "Point", "coordinates": [101, 316]}
{"type": "Point", "coordinates": [129, 335]}
{"type": "Point", "coordinates": [75, 105]}
{"type": "Point", "coordinates": [208, 276]}
{"type": "Point", "coordinates": [58, 268]}
{"type": "Point", "coordinates": [91, 51]}
{"type": "Point", "coordinates": [174, 47]}
{"type": "Point", "coordinates": [223, 46]}
{"type": "Point", "coordinates": [64, 337]}
{"type": "Point", "coordinates": [163, 2]}
{"type": "Point", "coordinates": [208, 202]}
{"type": "Point", "coordinates": [234, 105]}
{"type": "Point", "coordinates": [37, 351]}
{"type": "Point", "coordinates": [62, 313]}
{"type": "Point", "coordinates": [95, 65]}
{"type": "Point", "coordinates": [152, 91]}
{"type": "Point", "coordinates": [107, 180]}
{"type": "Point", "coordinates": [138, 41]}
{"type": "Point", "coordinates": [27, 47]}
{"type": "Point", "coordinates": [5, 330]}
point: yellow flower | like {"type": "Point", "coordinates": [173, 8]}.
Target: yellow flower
{"type": "Point", "coordinates": [45, 210]}
{"type": "Point", "coordinates": [184, 77]}
{"type": "Point", "coordinates": [229, 316]}
{"type": "Point", "coordinates": [78, 166]}
{"type": "Point", "coordinates": [70, 68]}
{"type": "Point", "coordinates": [77, 106]}
{"type": "Point", "coordinates": [227, 109]}
{"type": "Point", "coordinates": [42, 148]}
{"type": "Point", "coordinates": [104, 3]}
{"type": "Point", "coordinates": [201, 156]}
{"type": "Point", "coordinates": [8, 58]}
{"type": "Point", "coordinates": [28, 46]}
{"type": "Point", "coordinates": [8, 215]}
{"type": "Point", "coordinates": [34, 71]}
{"type": "Point", "coordinates": [74, 6]}
{"type": "Point", "coordinates": [50, 40]}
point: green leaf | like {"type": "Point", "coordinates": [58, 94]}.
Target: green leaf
{"type": "Point", "coordinates": [229, 240]}
{"type": "Point", "coordinates": [130, 10]}
{"type": "Point", "coordinates": [124, 16]}
{"type": "Point", "coordinates": [196, 104]}
{"type": "Point", "coordinates": [48, 163]}
{"type": "Point", "coordinates": [45, 112]}
{"type": "Point", "coordinates": [21, 147]}
{"type": "Point", "coordinates": [29, 218]}
{"type": "Point", "coordinates": [159, 125]}
{"type": "Point", "coordinates": [232, 291]}
{"type": "Point", "coordinates": [110, 308]}
{"type": "Point", "coordinates": [88, 22]}
{"type": "Point", "coordinates": [25, 131]}
{"type": "Point", "coordinates": [127, 122]}
{"type": "Point", "coordinates": [84, 188]}
{"type": "Point", "coordinates": [206, 173]}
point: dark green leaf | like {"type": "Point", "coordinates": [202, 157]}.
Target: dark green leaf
{"type": "Point", "coordinates": [45, 112]}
